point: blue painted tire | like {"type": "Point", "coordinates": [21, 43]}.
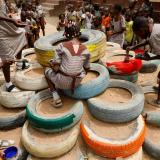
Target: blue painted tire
{"type": "Point", "coordinates": [93, 87]}
{"type": "Point", "coordinates": [127, 77]}
{"type": "Point", "coordinates": [153, 118]}
{"type": "Point", "coordinates": [150, 66]}
{"type": "Point", "coordinates": [55, 124]}
{"type": "Point", "coordinates": [108, 112]}
{"type": "Point", "coordinates": [152, 149]}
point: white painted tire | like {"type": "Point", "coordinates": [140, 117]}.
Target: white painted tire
{"type": "Point", "coordinates": [51, 150]}
{"type": "Point", "coordinates": [137, 156]}
{"type": "Point", "coordinates": [14, 99]}
{"type": "Point", "coordinates": [27, 52]}
{"type": "Point", "coordinates": [2, 79]}
{"type": "Point", "coordinates": [112, 46]}
{"type": "Point", "coordinates": [29, 83]}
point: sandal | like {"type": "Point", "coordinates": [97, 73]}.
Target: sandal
{"type": "Point", "coordinates": [22, 64]}
{"type": "Point", "coordinates": [57, 102]}
{"type": "Point", "coordinates": [11, 88]}
{"type": "Point", "coordinates": [6, 143]}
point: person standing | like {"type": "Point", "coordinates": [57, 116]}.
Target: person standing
{"type": "Point", "coordinates": [118, 26]}
{"type": "Point", "coordinates": [12, 41]}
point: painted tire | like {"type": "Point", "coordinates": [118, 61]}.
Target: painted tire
{"type": "Point", "coordinates": [113, 148]}
{"type": "Point", "coordinates": [93, 87]}
{"type": "Point", "coordinates": [127, 77]}
{"type": "Point", "coordinates": [30, 83]}
{"type": "Point", "coordinates": [108, 112]}
{"type": "Point", "coordinates": [134, 65]}
{"type": "Point", "coordinates": [148, 89]}
{"type": "Point", "coordinates": [153, 118]}
{"type": "Point", "coordinates": [112, 46]}
{"type": "Point", "coordinates": [114, 53]}
{"type": "Point", "coordinates": [14, 121]}
{"type": "Point", "coordinates": [50, 150]}
{"type": "Point", "coordinates": [150, 147]}
{"type": "Point", "coordinates": [2, 79]}
{"type": "Point", "coordinates": [27, 52]}
{"type": "Point", "coordinates": [137, 156]}
{"type": "Point", "coordinates": [23, 154]}
{"type": "Point", "coordinates": [14, 99]}
{"type": "Point", "coordinates": [96, 45]}
{"type": "Point", "coordinates": [34, 158]}
{"type": "Point", "coordinates": [55, 124]}
{"type": "Point", "coordinates": [150, 66]}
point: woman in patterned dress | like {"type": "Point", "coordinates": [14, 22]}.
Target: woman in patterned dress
{"type": "Point", "coordinates": [12, 41]}
{"type": "Point", "coordinates": [69, 66]}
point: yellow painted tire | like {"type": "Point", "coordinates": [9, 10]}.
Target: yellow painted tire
{"type": "Point", "coordinates": [96, 45]}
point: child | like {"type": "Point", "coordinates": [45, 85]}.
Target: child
{"type": "Point", "coordinates": [118, 22]}
{"type": "Point", "coordinates": [105, 25]}
{"type": "Point", "coordinates": [129, 30]}
{"type": "Point", "coordinates": [41, 19]}
{"type": "Point", "coordinates": [151, 35]}
{"type": "Point", "coordinates": [97, 16]}
{"type": "Point", "coordinates": [87, 18]}
{"type": "Point", "coordinates": [24, 12]}
{"type": "Point", "coordinates": [62, 74]}
{"type": "Point", "coordinates": [30, 30]}
{"type": "Point", "coordinates": [61, 23]}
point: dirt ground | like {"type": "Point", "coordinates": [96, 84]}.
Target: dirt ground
{"type": "Point", "coordinates": [100, 128]}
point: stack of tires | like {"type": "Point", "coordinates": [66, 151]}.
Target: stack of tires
{"type": "Point", "coordinates": [151, 145]}
{"type": "Point", "coordinates": [125, 112]}
{"type": "Point", "coordinates": [14, 103]}
{"type": "Point", "coordinates": [66, 122]}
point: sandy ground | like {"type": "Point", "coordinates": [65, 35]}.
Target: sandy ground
{"type": "Point", "coordinates": [107, 130]}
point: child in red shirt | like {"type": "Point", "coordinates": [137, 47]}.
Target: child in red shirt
{"type": "Point", "coordinates": [105, 25]}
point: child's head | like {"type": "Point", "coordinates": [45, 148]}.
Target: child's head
{"type": "Point", "coordinates": [141, 27]}
{"type": "Point", "coordinates": [96, 6]}
{"type": "Point", "coordinates": [132, 3]}
{"type": "Point", "coordinates": [117, 9]}
{"type": "Point", "coordinates": [24, 6]}
{"type": "Point", "coordinates": [106, 11]}
{"type": "Point", "coordinates": [29, 15]}
{"type": "Point", "coordinates": [62, 17]}
{"type": "Point", "coordinates": [128, 16]}
{"type": "Point", "coordinates": [72, 31]}
{"type": "Point", "coordinates": [37, 2]}
{"type": "Point", "coordinates": [33, 8]}
{"type": "Point", "coordinates": [29, 6]}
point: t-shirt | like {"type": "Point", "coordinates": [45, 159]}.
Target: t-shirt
{"type": "Point", "coordinates": [106, 21]}
{"type": "Point", "coordinates": [154, 39]}
{"type": "Point", "coordinates": [129, 31]}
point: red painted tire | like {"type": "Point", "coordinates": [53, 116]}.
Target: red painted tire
{"type": "Point", "coordinates": [133, 65]}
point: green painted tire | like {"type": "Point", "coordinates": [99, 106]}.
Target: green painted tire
{"type": "Point", "coordinates": [55, 124]}
{"type": "Point", "coordinates": [130, 77]}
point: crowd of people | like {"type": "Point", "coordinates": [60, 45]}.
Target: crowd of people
{"type": "Point", "coordinates": [31, 14]}
{"type": "Point", "coordinates": [115, 21]}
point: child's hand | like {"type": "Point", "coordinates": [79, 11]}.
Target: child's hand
{"type": "Point", "coordinates": [109, 33]}
{"type": "Point", "coordinates": [56, 67]}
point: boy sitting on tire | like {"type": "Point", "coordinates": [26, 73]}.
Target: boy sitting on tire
{"type": "Point", "coordinates": [68, 67]}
